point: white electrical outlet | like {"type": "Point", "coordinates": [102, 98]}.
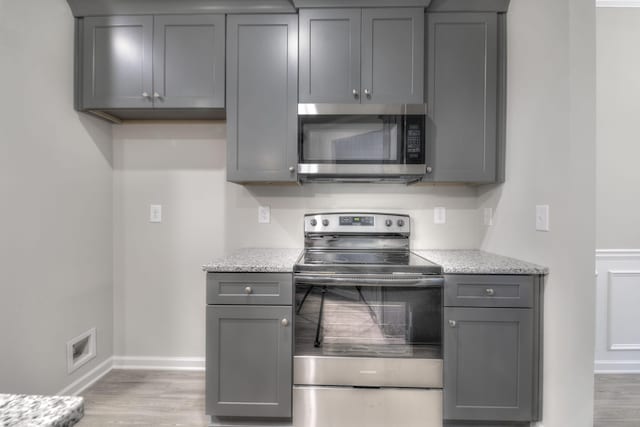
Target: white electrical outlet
{"type": "Point", "coordinates": [542, 217]}
{"type": "Point", "coordinates": [488, 217]}
{"type": "Point", "coordinates": [439, 215]}
{"type": "Point", "coordinates": [264, 214]}
{"type": "Point", "coordinates": [155, 213]}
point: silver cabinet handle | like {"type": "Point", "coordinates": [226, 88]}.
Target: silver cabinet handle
{"type": "Point", "coordinates": [156, 95]}
{"type": "Point", "coordinates": [452, 323]}
{"type": "Point", "coordinates": [145, 95]}
{"type": "Point", "coordinates": [292, 169]}
{"type": "Point", "coordinates": [248, 290]}
{"type": "Point", "coordinates": [284, 322]}
{"type": "Point", "coordinates": [429, 169]}
{"type": "Point", "coordinates": [368, 93]}
{"type": "Point", "coordinates": [355, 93]}
{"type": "Point", "coordinates": [489, 291]}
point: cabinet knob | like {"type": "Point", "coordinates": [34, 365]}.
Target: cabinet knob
{"type": "Point", "coordinates": [284, 322]}
{"type": "Point", "coordinates": [452, 323]}
{"type": "Point", "coordinates": [489, 291]}
{"type": "Point", "coordinates": [156, 95]}
{"type": "Point", "coordinates": [367, 93]}
{"type": "Point", "coordinates": [248, 290]}
{"type": "Point", "coordinates": [292, 169]}
{"type": "Point", "coordinates": [145, 95]}
{"type": "Point", "coordinates": [429, 169]}
{"type": "Point", "coordinates": [355, 93]}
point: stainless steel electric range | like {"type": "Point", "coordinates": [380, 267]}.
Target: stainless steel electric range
{"type": "Point", "coordinates": [368, 325]}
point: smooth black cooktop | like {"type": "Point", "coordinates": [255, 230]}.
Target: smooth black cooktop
{"type": "Point", "coordinates": [365, 261]}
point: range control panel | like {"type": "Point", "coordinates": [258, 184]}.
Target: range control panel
{"type": "Point", "coordinates": [357, 220]}
{"type": "Point", "coordinates": [357, 223]}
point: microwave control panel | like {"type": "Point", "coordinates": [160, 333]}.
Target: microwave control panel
{"type": "Point", "coordinates": [414, 140]}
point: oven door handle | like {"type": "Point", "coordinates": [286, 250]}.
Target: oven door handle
{"type": "Point", "coordinates": [413, 282]}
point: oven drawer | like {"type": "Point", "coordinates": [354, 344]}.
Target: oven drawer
{"type": "Point", "coordinates": [249, 288]}
{"type": "Point", "coordinates": [349, 407]}
{"type": "Point", "coordinates": [367, 371]}
{"type": "Point", "coordinates": [488, 291]}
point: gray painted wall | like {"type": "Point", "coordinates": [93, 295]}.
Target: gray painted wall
{"type": "Point", "coordinates": [55, 206]}
{"type": "Point", "coordinates": [551, 160]}
{"type": "Point", "coordinates": [618, 150]}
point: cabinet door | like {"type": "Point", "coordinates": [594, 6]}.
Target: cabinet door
{"type": "Point", "coordinates": [393, 55]}
{"type": "Point", "coordinates": [262, 97]}
{"type": "Point", "coordinates": [462, 79]}
{"type": "Point", "coordinates": [330, 56]}
{"type": "Point", "coordinates": [249, 361]}
{"type": "Point", "coordinates": [188, 61]}
{"type": "Point", "coordinates": [488, 364]}
{"type": "Point", "coordinates": [117, 66]}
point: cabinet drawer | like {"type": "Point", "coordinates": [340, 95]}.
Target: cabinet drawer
{"type": "Point", "coordinates": [488, 291]}
{"type": "Point", "coordinates": [249, 288]}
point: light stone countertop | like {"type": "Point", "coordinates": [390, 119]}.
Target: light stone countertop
{"type": "Point", "coordinates": [255, 260]}
{"type": "Point", "coordinates": [473, 261]}
{"type": "Point", "coordinates": [40, 411]}
{"type": "Point", "coordinates": [460, 261]}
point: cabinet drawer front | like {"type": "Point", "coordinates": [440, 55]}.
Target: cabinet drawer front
{"type": "Point", "coordinates": [249, 288]}
{"type": "Point", "coordinates": [488, 291]}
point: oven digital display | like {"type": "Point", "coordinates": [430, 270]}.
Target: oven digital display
{"type": "Point", "coordinates": [356, 220]}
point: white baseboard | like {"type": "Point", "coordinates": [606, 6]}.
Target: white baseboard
{"type": "Point", "coordinates": [617, 367]}
{"type": "Point", "coordinates": [617, 3]}
{"type": "Point", "coordinates": [159, 363]}
{"type": "Point", "coordinates": [88, 379]}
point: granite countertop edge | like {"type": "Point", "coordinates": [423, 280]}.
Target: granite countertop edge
{"type": "Point", "coordinates": [453, 261]}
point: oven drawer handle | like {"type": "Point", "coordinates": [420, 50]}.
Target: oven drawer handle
{"type": "Point", "coordinates": [430, 282]}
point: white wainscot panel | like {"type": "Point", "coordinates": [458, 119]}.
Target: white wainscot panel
{"type": "Point", "coordinates": [617, 311]}
{"type": "Point", "coordinates": [623, 310]}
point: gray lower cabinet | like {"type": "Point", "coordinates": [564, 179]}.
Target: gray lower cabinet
{"type": "Point", "coordinates": [488, 364]}
{"type": "Point", "coordinates": [370, 55]}
{"type": "Point", "coordinates": [249, 361]}
{"type": "Point", "coordinates": [147, 62]}
{"type": "Point", "coordinates": [462, 96]}
{"type": "Point", "coordinates": [262, 97]}
{"type": "Point", "coordinates": [492, 348]}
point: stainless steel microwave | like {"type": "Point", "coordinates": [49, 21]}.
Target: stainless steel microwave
{"type": "Point", "coordinates": [361, 142]}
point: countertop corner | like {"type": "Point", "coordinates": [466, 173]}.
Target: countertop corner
{"type": "Point", "coordinates": [255, 260]}
{"type": "Point", "coordinates": [474, 261]}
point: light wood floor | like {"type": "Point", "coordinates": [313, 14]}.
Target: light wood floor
{"type": "Point", "coordinates": [617, 401]}
{"type": "Point", "coordinates": [145, 398]}
{"type": "Point", "coordinates": [176, 398]}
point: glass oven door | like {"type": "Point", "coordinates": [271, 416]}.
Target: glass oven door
{"type": "Point", "coordinates": [370, 317]}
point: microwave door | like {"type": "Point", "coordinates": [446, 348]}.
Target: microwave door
{"type": "Point", "coordinates": [350, 139]}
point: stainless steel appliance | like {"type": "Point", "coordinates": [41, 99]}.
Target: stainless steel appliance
{"type": "Point", "coordinates": [368, 325]}
{"type": "Point", "coordinates": [361, 142]}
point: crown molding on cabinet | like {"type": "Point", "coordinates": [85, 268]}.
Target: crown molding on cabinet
{"type": "Point", "coordinates": [617, 3]}
{"type": "Point", "coordinates": [81, 8]}
{"type": "Point", "coordinates": [333, 4]}
{"type": "Point", "coordinates": [499, 6]}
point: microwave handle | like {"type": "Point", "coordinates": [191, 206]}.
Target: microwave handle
{"type": "Point", "coordinates": [415, 282]}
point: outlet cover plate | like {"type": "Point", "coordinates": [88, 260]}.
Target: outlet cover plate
{"type": "Point", "coordinates": [264, 214]}
{"type": "Point", "coordinates": [542, 217]}
{"type": "Point", "coordinates": [439, 215]}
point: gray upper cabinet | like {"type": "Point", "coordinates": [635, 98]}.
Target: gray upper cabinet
{"type": "Point", "coordinates": [330, 56]}
{"type": "Point", "coordinates": [249, 361]}
{"type": "Point", "coordinates": [117, 67]}
{"type": "Point", "coordinates": [488, 364]}
{"type": "Point", "coordinates": [262, 94]}
{"type": "Point", "coordinates": [188, 61]}
{"type": "Point", "coordinates": [393, 56]}
{"type": "Point", "coordinates": [365, 55]}
{"type": "Point", "coordinates": [146, 62]}
{"type": "Point", "coordinates": [462, 92]}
